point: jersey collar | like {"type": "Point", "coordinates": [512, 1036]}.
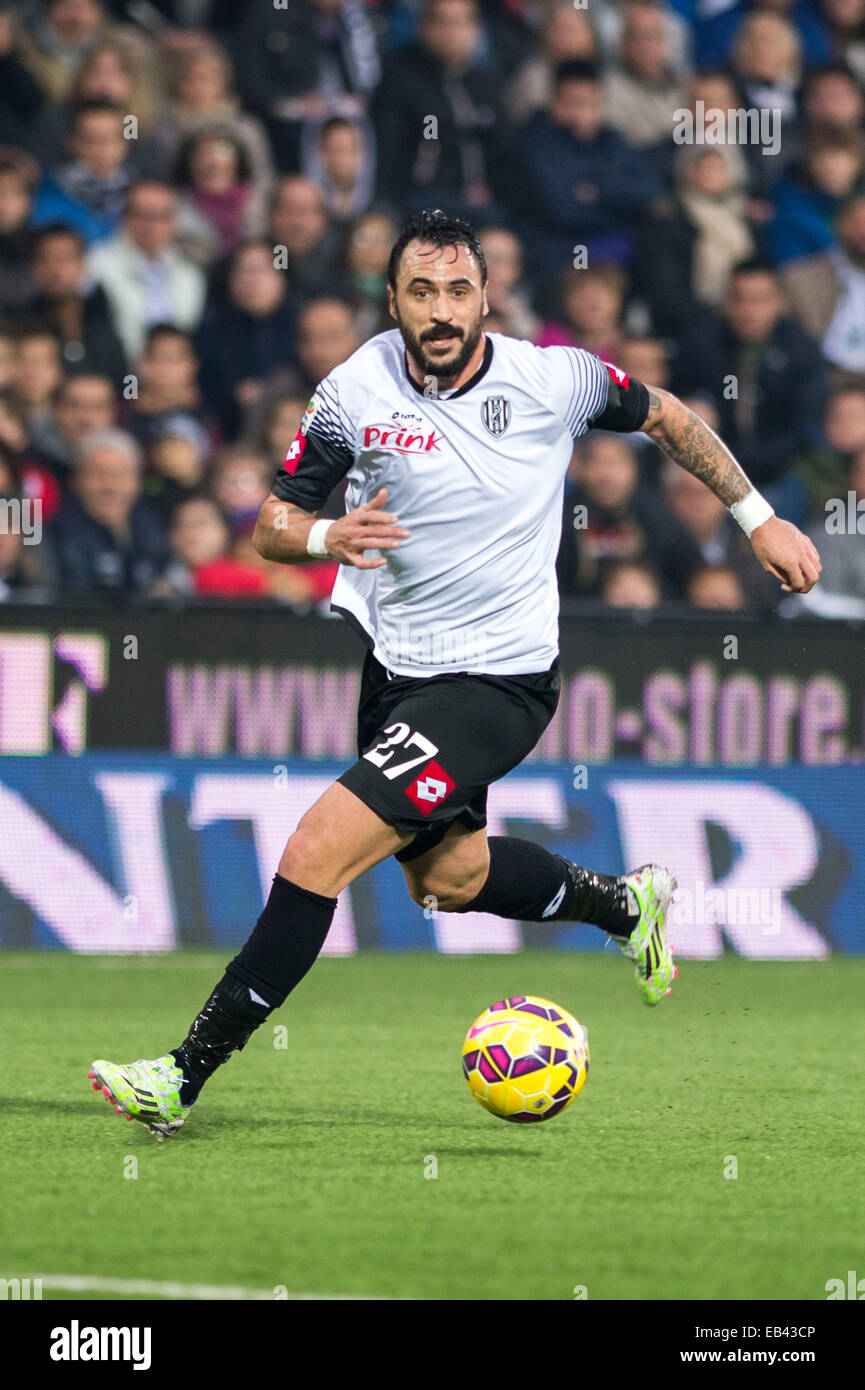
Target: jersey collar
{"type": "Point", "coordinates": [467, 385]}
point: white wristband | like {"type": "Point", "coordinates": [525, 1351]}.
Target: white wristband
{"type": "Point", "coordinates": [752, 511]}
{"type": "Point", "coordinates": [315, 541]}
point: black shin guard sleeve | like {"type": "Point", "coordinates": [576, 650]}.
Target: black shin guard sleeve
{"type": "Point", "coordinates": [530, 884]}
{"type": "Point", "coordinates": [287, 938]}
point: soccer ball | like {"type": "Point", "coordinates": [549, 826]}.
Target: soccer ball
{"type": "Point", "coordinates": [526, 1059]}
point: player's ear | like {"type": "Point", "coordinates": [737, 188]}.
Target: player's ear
{"type": "Point", "coordinates": [485, 307]}
{"type": "Point", "coordinates": [391, 302]}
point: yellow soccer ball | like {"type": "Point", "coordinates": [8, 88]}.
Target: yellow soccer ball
{"type": "Point", "coordinates": [526, 1059]}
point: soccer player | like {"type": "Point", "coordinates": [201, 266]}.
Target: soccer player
{"type": "Point", "coordinates": [454, 444]}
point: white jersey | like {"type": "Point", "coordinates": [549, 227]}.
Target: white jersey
{"type": "Point", "coordinates": [476, 475]}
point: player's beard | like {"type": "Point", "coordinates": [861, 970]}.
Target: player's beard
{"type": "Point", "coordinates": [450, 369]}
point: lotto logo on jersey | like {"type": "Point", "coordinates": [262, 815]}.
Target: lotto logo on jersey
{"type": "Point", "coordinates": [430, 788]}
{"type": "Point", "coordinates": [618, 374]}
{"type": "Point", "coordinates": [295, 452]}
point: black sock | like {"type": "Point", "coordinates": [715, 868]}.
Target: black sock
{"type": "Point", "coordinates": [284, 945]}
{"type": "Point", "coordinates": [529, 883]}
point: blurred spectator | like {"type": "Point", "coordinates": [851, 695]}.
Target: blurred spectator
{"type": "Point", "coordinates": [88, 190]}
{"type": "Point", "coordinates": [21, 98]}
{"type": "Point", "coordinates": [808, 201]}
{"type": "Point", "coordinates": [220, 206]}
{"type": "Point", "coordinates": [507, 293]}
{"type": "Point", "coordinates": [827, 293]}
{"type": "Point", "coordinates": [692, 241]}
{"type": "Point", "coordinates": [846, 22]}
{"type": "Point", "coordinates": [609, 19]}
{"type": "Point", "coordinates": [620, 521]}
{"type": "Point", "coordinates": [842, 548]}
{"type": "Point", "coordinates": [592, 302]}
{"type": "Point", "coordinates": [167, 389]}
{"type": "Point", "coordinates": [241, 481]}
{"type": "Point", "coordinates": [629, 584]}
{"type": "Point", "coordinates": [176, 462]}
{"type": "Point", "coordinates": [79, 317]}
{"type": "Point", "coordinates": [201, 562]}
{"type": "Point", "coordinates": [581, 182]}
{"type": "Point", "coordinates": [645, 359]}
{"type": "Point", "coordinates": [720, 539]}
{"type": "Point", "coordinates": [57, 41]}
{"type": "Point", "coordinates": [833, 97]}
{"type": "Point", "coordinates": [14, 439]}
{"type": "Point", "coordinates": [566, 34]}
{"type": "Point", "coordinates": [307, 58]}
{"type": "Point", "coordinates": [767, 61]}
{"type": "Point", "coordinates": [306, 244]}
{"type": "Point", "coordinates": [824, 469]}
{"type": "Point", "coordinates": [106, 539]}
{"type": "Point", "coordinates": [641, 90]}
{"type": "Point", "coordinates": [243, 341]}
{"type": "Point", "coordinates": [439, 119]}
{"type": "Point", "coordinates": [717, 28]}
{"type": "Point", "coordinates": [82, 405]}
{"type": "Point", "coordinates": [19, 175]}
{"type": "Point", "coordinates": [366, 258]}
{"type": "Point", "coordinates": [26, 572]}
{"type": "Point", "coordinates": [768, 378]}
{"type": "Point", "coordinates": [37, 371]}
{"type": "Point", "coordinates": [301, 586]}
{"type": "Point", "coordinates": [21, 470]}
{"type": "Point", "coordinates": [277, 424]}
{"type": "Point", "coordinates": [111, 73]}
{"type": "Point", "coordinates": [338, 154]}
{"type": "Point", "coordinates": [712, 92]}
{"type": "Point", "coordinates": [716, 587]}
{"type": "Point", "coordinates": [200, 96]}
{"type": "Point", "coordinates": [326, 336]}
{"type": "Point", "coordinates": [146, 277]}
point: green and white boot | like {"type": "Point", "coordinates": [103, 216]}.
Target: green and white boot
{"type": "Point", "coordinates": [649, 892]}
{"type": "Point", "coordinates": [146, 1091]}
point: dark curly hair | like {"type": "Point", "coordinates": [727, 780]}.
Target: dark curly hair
{"type": "Point", "coordinates": [436, 228]}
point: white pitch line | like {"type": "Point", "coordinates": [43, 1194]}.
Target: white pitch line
{"type": "Point", "coordinates": [154, 1288]}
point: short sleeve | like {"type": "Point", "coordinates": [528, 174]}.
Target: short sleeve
{"type": "Point", "coordinates": [321, 453]}
{"type": "Point", "coordinates": [592, 393]}
{"type": "Point", "coordinates": [579, 385]}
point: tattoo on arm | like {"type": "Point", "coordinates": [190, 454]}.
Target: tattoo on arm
{"type": "Point", "coordinates": [689, 442]}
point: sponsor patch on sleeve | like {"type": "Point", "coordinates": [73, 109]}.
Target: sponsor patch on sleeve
{"type": "Point", "coordinates": [618, 374]}
{"type": "Point", "coordinates": [308, 414]}
{"type": "Point", "coordinates": [298, 444]}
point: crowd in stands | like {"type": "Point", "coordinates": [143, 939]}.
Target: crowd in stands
{"type": "Point", "coordinates": [197, 204]}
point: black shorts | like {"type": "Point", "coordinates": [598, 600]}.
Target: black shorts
{"type": "Point", "coordinates": [430, 746]}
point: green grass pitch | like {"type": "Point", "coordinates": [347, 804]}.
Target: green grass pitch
{"type": "Point", "coordinates": [303, 1166]}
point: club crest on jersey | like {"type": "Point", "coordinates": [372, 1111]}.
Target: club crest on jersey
{"type": "Point", "coordinates": [496, 414]}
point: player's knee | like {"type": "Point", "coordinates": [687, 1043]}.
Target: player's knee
{"type": "Point", "coordinates": [445, 894]}
{"type": "Point", "coordinates": [303, 855]}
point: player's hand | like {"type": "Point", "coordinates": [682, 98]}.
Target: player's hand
{"type": "Point", "coordinates": [366, 528]}
{"type": "Point", "coordinates": [784, 551]}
